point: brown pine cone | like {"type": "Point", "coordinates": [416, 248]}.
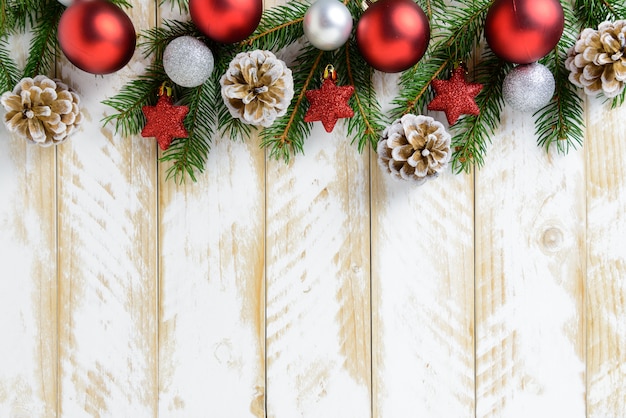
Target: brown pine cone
{"type": "Point", "coordinates": [41, 110]}
{"type": "Point", "coordinates": [257, 87]}
{"type": "Point", "coordinates": [415, 148]}
{"type": "Point", "coordinates": [597, 62]}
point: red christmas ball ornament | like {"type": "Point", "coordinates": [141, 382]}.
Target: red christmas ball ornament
{"type": "Point", "coordinates": [96, 36]}
{"type": "Point", "coordinates": [392, 35]}
{"type": "Point", "coordinates": [226, 21]}
{"type": "Point", "coordinates": [522, 31]}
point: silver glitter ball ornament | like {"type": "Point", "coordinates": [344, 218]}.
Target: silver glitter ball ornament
{"type": "Point", "coordinates": [327, 24]}
{"type": "Point", "coordinates": [187, 61]}
{"type": "Point", "coordinates": [528, 87]}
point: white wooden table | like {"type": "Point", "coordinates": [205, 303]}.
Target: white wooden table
{"type": "Point", "coordinates": [321, 289]}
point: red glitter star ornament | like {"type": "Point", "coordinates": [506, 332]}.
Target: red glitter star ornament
{"type": "Point", "coordinates": [330, 102]}
{"type": "Point", "coordinates": [455, 96]}
{"type": "Point", "coordinates": [165, 121]}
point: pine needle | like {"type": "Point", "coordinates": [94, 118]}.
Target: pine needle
{"type": "Point", "coordinates": [129, 119]}
{"type": "Point", "coordinates": [9, 73]}
{"type": "Point", "coordinates": [287, 135]}
{"type": "Point", "coordinates": [19, 14]}
{"type": "Point", "coordinates": [122, 3]}
{"type": "Point", "coordinates": [280, 26]}
{"type": "Point", "coordinates": [43, 46]}
{"type": "Point", "coordinates": [368, 122]}
{"type": "Point", "coordinates": [560, 123]}
{"type": "Point", "coordinates": [472, 133]}
{"type": "Point", "coordinates": [154, 40]}
{"type": "Point", "coordinates": [188, 155]}
{"type": "Point", "coordinates": [590, 13]}
{"type": "Point", "coordinates": [458, 30]}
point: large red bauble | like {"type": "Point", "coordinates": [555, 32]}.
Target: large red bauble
{"type": "Point", "coordinates": [392, 35]}
{"type": "Point", "coordinates": [226, 21]}
{"type": "Point", "coordinates": [96, 36]}
{"type": "Point", "coordinates": [522, 31]}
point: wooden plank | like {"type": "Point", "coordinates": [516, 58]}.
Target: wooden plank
{"type": "Point", "coordinates": [212, 280]}
{"type": "Point", "coordinates": [28, 285]}
{"type": "Point", "coordinates": [107, 257]}
{"type": "Point", "coordinates": [212, 310]}
{"type": "Point", "coordinates": [422, 295]}
{"type": "Point", "coordinates": [318, 293]}
{"type": "Point", "coordinates": [606, 260]}
{"type": "Point", "coordinates": [530, 219]}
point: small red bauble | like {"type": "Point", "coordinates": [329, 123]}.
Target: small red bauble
{"type": "Point", "coordinates": [226, 21]}
{"type": "Point", "coordinates": [392, 35]}
{"type": "Point", "coordinates": [96, 36]}
{"type": "Point", "coordinates": [522, 31]}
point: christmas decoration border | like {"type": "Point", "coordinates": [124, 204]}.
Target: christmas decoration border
{"type": "Point", "coordinates": [457, 32]}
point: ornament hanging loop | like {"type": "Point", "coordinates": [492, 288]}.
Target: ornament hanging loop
{"type": "Point", "coordinates": [461, 64]}
{"type": "Point", "coordinates": [330, 73]}
{"type": "Point", "coordinates": [165, 89]}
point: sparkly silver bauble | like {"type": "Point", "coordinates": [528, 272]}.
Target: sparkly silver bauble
{"type": "Point", "coordinates": [66, 3]}
{"type": "Point", "coordinates": [187, 61]}
{"type": "Point", "coordinates": [327, 24]}
{"type": "Point", "coordinates": [528, 87]}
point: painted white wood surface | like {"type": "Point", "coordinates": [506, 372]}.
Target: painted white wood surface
{"type": "Point", "coordinates": [530, 252]}
{"type": "Point", "coordinates": [28, 276]}
{"type": "Point", "coordinates": [606, 261]}
{"type": "Point", "coordinates": [212, 287]}
{"type": "Point", "coordinates": [107, 257]}
{"type": "Point", "coordinates": [318, 289]}
{"type": "Point", "coordinates": [422, 293]}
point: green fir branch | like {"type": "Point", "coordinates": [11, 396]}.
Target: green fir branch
{"type": "Point", "coordinates": [461, 28]}
{"type": "Point", "coordinates": [43, 46]}
{"type": "Point", "coordinates": [128, 103]}
{"type": "Point", "coordinates": [619, 99]}
{"type": "Point", "coordinates": [368, 120]}
{"type": "Point", "coordinates": [415, 92]}
{"type": "Point", "coordinates": [154, 40]}
{"type": "Point", "coordinates": [188, 155]}
{"type": "Point", "coordinates": [4, 27]}
{"type": "Point", "coordinates": [287, 134]}
{"type": "Point", "coordinates": [473, 133]}
{"type": "Point", "coordinates": [590, 13]}
{"type": "Point", "coordinates": [20, 14]}
{"type": "Point", "coordinates": [560, 122]}
{"type": "Point", "coordinates": [9, 73]}
{"type": "Point", "coordinates": [457, 32]}
{"type": "Point", "coordinates": [430, 6]}
{"type": "Point", "coordinates": [280, 26]}
{"type": "Point", "coordinates": [122, 3]}
{"type": "Point", "coordinates": [227, 125]}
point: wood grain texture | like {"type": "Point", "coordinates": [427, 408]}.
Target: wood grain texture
{"type": "Point", "coordinates": [212, 284]}
{"type": "Point", "coordinates": [107, 258]}
{"type": "Point", "coordinates": [322, 288]}
{"type": "Point", "coordinates": [422, 295]}
{"type": "Point", "coordinates": [28, 285]}
{"type": "Point", "coordinates": [318, 293]}
{"type": "Point", "coordinates": [529, 278]}
{"type": "Point", "coordinates": [28, 294]}
{"type": "Point", "coordinates": [212, 324]}
{"type": "Point", "coordinates": [606, 261]}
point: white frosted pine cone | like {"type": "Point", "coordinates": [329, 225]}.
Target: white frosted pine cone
{"type": "Point", "coordinates": [597, 62]}
{"type": "Point", "coordinates": [415, 148]}
{"type": "Point", "coordinates": [41, 110]}
{"type": "Point", "coordinates": [257, 87]}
